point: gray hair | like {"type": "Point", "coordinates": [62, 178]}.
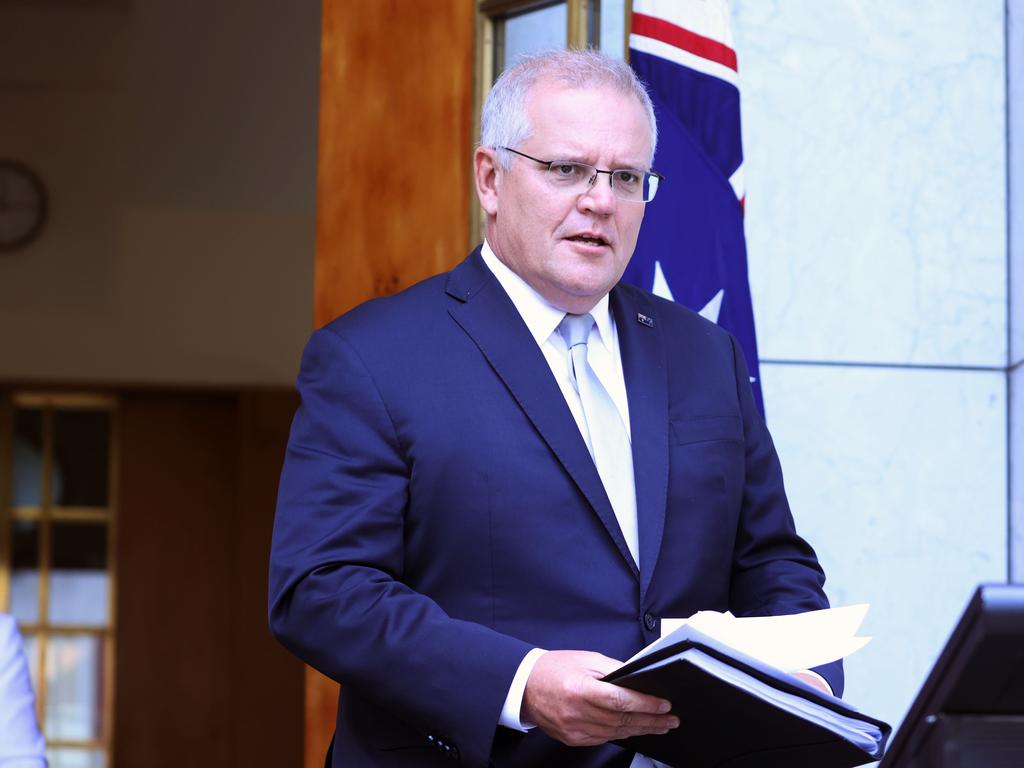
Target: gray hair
{"type": "Point", "coordinates": [503, 120]}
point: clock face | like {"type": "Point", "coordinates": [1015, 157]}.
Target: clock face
{"type": "Point", "coordinates": [22, 205]}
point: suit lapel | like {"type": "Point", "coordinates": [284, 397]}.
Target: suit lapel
{"type": "Point", "coordinates": [644, 365]}
{"type": "Point", "coordinates": [488, 316]}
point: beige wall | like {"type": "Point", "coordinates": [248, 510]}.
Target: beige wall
{"type": "Point", "coordinates": [177, 140]}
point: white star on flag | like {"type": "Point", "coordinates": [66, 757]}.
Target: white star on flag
{"type": "Point", "coordinates": [710, 310]}
{"type": "Point", "coordinates": [660, 288]}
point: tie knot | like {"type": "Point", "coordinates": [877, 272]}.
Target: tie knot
{"type": "Point", "coordinates": [575, 329]}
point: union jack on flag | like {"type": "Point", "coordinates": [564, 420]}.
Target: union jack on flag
{"type": "Point", "coordinates": [692, 247]}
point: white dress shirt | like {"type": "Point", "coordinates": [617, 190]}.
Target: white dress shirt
{"type": "Point", "coordinates": [21, 745]}
{"type": "Point", "coordinates": [543, 320]}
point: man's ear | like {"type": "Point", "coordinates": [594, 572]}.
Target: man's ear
{"type": "Point", "coordinates": [485, 172]}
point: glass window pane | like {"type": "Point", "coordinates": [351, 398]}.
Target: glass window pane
{"type": "Point", "coordinates": [25, 571]}
{"type": "Point", "coordinates": [68, 757]}
{"type": "Point", "coordinates": [28, 457]}
{"type": "Point", "coordinates": [30, 645]}
{"type": "Point", "coordinates": [78, 574]}
{"type": "Point", "coordinates": [74, 687]}
{"type": "Point", "coordinates": [532, 32]}
{"type": "Point", "coordinates": [81, 458]}
{"type": "Point", "coordinates": [612, 35]}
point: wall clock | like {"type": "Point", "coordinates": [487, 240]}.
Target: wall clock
{"type": "Point", "coordinates": [23, 205]}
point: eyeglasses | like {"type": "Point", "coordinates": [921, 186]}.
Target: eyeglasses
{"type": "Point", "coordinates": [630, 184]}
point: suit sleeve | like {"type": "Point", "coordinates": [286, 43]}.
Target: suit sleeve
{"type": "Point", "coordinates": [774, 570]}
{"type": "Point", "coordinates": [20, 741]}
{"type": "Point", "coordinates": [337, 599]}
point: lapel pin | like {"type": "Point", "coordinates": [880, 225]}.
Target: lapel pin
{"type": "Point", "coordinates": [644, 320]}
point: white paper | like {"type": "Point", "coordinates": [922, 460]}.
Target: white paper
{"type": "Point", "coordinates": [790, 643]}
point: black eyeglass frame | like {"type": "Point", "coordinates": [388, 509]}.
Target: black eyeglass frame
{"type": "Point", "coordinates": [611, 177]}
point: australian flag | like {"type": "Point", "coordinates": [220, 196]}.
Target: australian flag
{"type": "Point", "coordinates": [691, 246]}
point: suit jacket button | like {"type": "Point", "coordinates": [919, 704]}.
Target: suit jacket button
{"type": "Point", "coordinates": [649, 621]}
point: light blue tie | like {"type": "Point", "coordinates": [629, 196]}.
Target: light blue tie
{"type": "Point", "coordinates": [604, 432]}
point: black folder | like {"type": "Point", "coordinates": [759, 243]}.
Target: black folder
{"type": "Point", "coordinates": [727, 724]}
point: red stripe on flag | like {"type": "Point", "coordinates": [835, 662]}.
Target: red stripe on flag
{"type": "Point", "coordinates": [698, 45]}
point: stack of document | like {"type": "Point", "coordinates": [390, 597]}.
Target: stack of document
{"type": "Point", "coordinates": [729, 683]}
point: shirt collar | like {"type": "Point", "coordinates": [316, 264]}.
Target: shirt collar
{"type": "Point", "coordinates": [540, 317]}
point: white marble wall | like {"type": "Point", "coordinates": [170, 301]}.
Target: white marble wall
{"type": "Point", "coordinates": [1016, 527]}
{"type": "Point", "coordinates": [1015, 163]}
{"type": "Point", "coordinates": [1015, 134]}
{"type": "Point", "coordinates": [898, 478]}
{"type": "Point", "coordinates": [875, 143]}
{"type": "Point", "coordinates": [874, 135]}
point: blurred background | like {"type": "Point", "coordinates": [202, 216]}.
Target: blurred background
{"type": "Point", "coordinates": [149, 336]}
{"type": "Point", "coordinates": [199, 184]}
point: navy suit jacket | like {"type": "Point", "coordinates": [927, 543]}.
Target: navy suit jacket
{"type": "Point", "coordinates": [439, 514]}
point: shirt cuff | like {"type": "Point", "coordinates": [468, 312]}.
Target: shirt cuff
{"type": "Point", "coordinates": [819, 677]}
{"type": "Point", "coordinates": [514, 700]}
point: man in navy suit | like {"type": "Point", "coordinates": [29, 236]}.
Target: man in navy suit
{"type": "Point", "coordinates": [452, 544]}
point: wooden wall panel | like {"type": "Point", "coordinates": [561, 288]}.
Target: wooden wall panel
{"type": "Point", "coordinates": [200, 680]}
{"type": "Point", "coordinates": [175, 557]}
{"type": "Point", "coordinates": [395, 142]}
{"type": "Point", "coordinates": [267, 711]}
{"type": "Point", "coordinates": [396, 99]}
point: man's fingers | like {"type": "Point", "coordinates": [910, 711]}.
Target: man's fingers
{"type": "Point", "coordinates": [624, 713]}
{"type": "Point", "coordinates": [591, 733]}
{"type": "Point", "coordinates": [618, 699]}
{"type": "Point", "coordinates": [633, 720]}
{"type": "Point", "coordinates": [632, 724]}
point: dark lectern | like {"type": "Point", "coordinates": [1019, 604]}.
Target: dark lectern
{"type": "Point", "coordinates": [970, 711]}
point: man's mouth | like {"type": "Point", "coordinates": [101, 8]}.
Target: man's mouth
{"type": "Point", "coordinates": [589, 239]}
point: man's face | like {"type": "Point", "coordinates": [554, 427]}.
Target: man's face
{"type": "Point", "coordinates": [570, 247]}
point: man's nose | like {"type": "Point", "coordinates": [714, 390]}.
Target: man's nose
{"type": "Point", "coordinates": [599, 197]}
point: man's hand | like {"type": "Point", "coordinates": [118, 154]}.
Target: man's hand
{"type": "Point", "coordinates": [565, 698]}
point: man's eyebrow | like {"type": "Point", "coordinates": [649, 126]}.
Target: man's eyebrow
{"type": "Point", "coordinates": [580, 157]}
{"type": "Point", "coordinates": [574, 156]}
{"type": "Point", "coordinates": [630, 166]}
